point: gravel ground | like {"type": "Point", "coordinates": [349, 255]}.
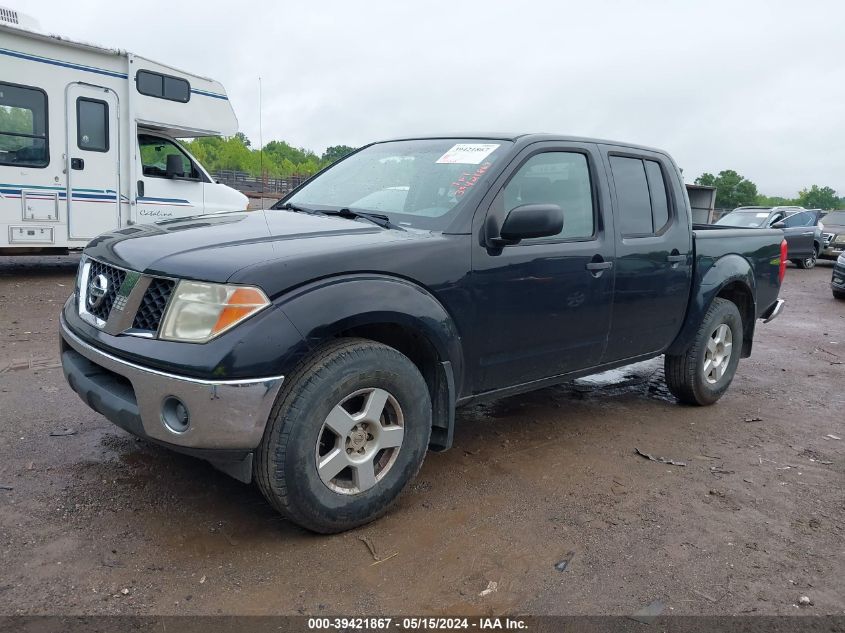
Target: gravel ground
{"type": "Point", "coordinates": [93, 521]}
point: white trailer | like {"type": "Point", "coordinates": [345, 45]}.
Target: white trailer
{"type": "Point", "coordinates": [87, 140]}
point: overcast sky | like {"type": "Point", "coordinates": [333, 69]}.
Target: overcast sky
{"type": "Point", "coordinates": [758, 87]}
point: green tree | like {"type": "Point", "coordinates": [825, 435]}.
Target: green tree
{"type": "Point", "coordinates": [775, 201]}
{"type": "Point", "coordinates": [278, 158]}
{"type": "Point", "coordinates": [818, 198]}
{"type": "Point", "coordinates": [335, 153]}
{"type": "Point", "coordinates": [732, 190]}
{"type": "Point", "coordinates": [242, 138]}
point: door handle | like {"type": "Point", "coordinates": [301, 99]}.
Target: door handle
{"type": "Point", "coordinates": [807, 233]}
{"type": "Point", "coordinates": [77, 163]}
{"type": "Point", "coordinates": [592, 266]}
{"type": "Point", "coordinates": [140, 188]}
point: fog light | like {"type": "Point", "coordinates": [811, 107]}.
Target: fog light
{"type": "Point", "coordinates": [175, 415]}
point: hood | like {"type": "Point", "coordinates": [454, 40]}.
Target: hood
{"type": "Point", "coordinates": [833, 227]}
{"type": "Point", "coordinates": [215, 247]}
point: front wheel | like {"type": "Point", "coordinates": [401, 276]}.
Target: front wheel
{"type": "Point", "coordinates": [808, 262]}
{"type": "Point", "coordinates": [348, 432]}
{"type": "Point", "coordinates": [704, 373]}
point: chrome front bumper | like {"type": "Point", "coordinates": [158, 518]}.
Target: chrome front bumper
{"type": "Point", "coordinates": [222, 415]}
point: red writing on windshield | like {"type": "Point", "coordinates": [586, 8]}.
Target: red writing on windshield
{"type": "Point", "coordinates": [467, 180]}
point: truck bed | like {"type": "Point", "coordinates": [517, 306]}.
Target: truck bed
{"type": "Point", "coordinates": [718, 245]}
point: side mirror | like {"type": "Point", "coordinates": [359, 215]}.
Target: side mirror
{"type": "Point", "coordinates": [779, 225]}
{"type": "Point", "coordinates": [175, 166]}
{"type": "Point", "coordinates": [528, 221]}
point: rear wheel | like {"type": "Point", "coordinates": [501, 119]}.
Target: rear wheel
{"type": "Point", "coordinates": [348, 432]}
{"type": "Point", "coordinates": [808, 262]}
{"type": "Point", "coordinates": [704, 373]}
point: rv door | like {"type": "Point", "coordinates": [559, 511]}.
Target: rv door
{"type": "Point", "coordinates": [93, 164]}
{"type": "Point", "coordinates": [170, 185]}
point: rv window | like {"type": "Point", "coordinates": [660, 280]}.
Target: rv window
{"type": "Point", "coordinates": [92, 125]}
{"type": "Point", "coordinates": [163, 86]}
{"type": "Point", "coordinates": [23, 126]}
{"type": "Point", "coordinates": [154, 153]}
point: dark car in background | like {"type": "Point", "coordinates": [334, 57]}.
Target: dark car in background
{"type": "Point", "coordinates": [837, 281]}
{"type": "Point", "coordinates": [801, 228]}
{"type": "Point", "coordinates": [833, 235]}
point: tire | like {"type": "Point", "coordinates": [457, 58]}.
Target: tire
{"type": "Point", "coordinates": [839, 294]}
{"type": "Point", "coordinates": [809, 262]}
{"type": "Point", "coordinates": [685, 374]}
{"type": "Point", "coordinates": [300, 438]}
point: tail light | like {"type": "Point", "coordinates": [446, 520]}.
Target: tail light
{"type": "Point", "coordinates": [783, 254]}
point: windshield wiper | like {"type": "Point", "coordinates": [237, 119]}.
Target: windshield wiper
{"type": "Point", "coordinates": [289, 206]}
{"type": "Point", "coordinates": [376, 218]}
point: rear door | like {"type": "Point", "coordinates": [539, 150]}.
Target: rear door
{"type": "Point", "coordinates": [93, 161]}
{"type": "Point", "coordinates": [163, 195]}
{"type": "Point", "coordinates": [653, 252]}
{"type": "Point", "coordinates": [543, 304]}
{"type": "Point", "coordinates": [799, 229]}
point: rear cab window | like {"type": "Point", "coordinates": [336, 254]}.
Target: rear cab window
{"type": "Point", "coordinates": [641, 195]}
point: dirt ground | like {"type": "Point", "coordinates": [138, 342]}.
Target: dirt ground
{"type": "Point", "coordinates": [94, 521]}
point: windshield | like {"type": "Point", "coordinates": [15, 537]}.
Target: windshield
{"type": "Point", "coordinates": [835, 217]}
{"type": "Point", "coordinates": [417, 183]}
{"type": "Point", "coordinates": [748, 219]}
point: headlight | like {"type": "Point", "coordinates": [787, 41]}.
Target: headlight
{"type": "Point", "coordinates": [200, 311]}
{"type": "Point", "coordinates": [841, 259]}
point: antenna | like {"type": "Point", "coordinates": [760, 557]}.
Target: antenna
{"type": "Point", "coordinates": [260, 144]}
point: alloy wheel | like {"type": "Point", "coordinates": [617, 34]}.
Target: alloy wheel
{"type": "Point", "coordinates": [359, 441]}
{"type": "Point", "coordinates": [717, 354]}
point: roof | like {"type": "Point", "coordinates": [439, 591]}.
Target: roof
{"type": "Point", "coordinates": [524, 137]}
{"type": "Point", "coordinates": [94, 48]}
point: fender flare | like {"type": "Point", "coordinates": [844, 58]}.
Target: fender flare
{"type": "Point", "coordinates": [322, 309]}
{"type": "Point", "coordinates": [726, 270]}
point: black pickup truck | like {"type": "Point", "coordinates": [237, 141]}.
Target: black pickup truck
{"type": "Point", "coordinates": [321, 347]}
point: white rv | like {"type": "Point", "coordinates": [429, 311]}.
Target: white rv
{"type": "Point", "coordinates": [87, 140]}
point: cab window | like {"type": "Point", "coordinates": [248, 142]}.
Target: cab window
{"type": "Point", "coordinates": [799, 219]}
{"type": "Point", "coordinates": [642, 196]}
{"type": "Point", "coordinates": [561, 178]}
{"type": "Point", "coordinates": [154, 153]}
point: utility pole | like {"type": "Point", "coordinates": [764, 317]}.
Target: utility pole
{"type": "Point", "coordinates": [260, 144]}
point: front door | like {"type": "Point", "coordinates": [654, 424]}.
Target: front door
{"type": "Point", "coordinates": [543, 305]}
{"type": "Point", "coordinates": [93, 161]}
{"type": "Point", "coordinates": [166, 192]}
{"type": "Point", "coordinates": [799, 229]}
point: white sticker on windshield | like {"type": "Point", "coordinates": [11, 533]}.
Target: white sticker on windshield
{"type": "Point", "coordinates": [762, 215]}
{"type": "Point", "coordinates": [468, 153]}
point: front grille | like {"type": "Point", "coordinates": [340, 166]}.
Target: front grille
{"type": "Point", "coordinates": [827, 237]}
{"type": "Point", "coordinates": [115, 278]}
{"type": "Point", "coordinates": [152, 305]}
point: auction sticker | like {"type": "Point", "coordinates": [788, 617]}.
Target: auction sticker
{"type": "Point", "coordinates": [468, 153]}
